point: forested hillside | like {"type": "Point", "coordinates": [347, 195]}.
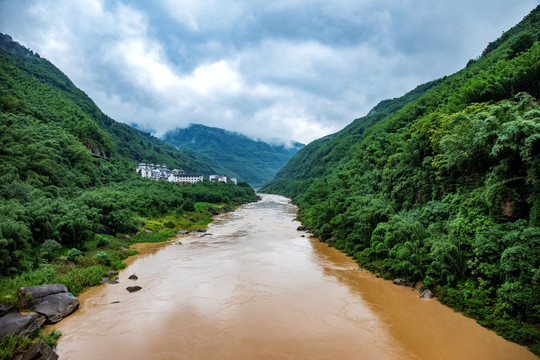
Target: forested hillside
{"type": "Point", "coordinates": [442, 186]}
{"type": "Point", "coordinates": [253, 161]}
{"type": "Point", "coordinates": [68, 173]}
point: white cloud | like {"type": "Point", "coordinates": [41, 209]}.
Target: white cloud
{"type": "Point", "coordinates": [286, 69]}
{"type": "Point", "coordinates": [204, 15]}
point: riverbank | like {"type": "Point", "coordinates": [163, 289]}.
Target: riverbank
{"type": "Point", "coordinates": [512, 329]}
{"type": "Point", "coordinates": [256, 289]}
{"type": "Point", "coordinates": [98, 262]}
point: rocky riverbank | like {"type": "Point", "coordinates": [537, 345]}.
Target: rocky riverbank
{"type": "Point", "coordinates": [36, 306]}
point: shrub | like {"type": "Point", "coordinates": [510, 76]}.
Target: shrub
{"type": "Point", "coordinates": [103, 258]}
{"type": "Point", "coordinates": [11, 345]}
{"type": "Point", "coordinates": [51, 337]}
{"type": "Point", "coordinates": [169, 224]}
{"type": "Point", "coordinates": [102, 241]}
{"type": "Point", "coordinates": [73, 254]}
{"type": "Point", "coordinates": [49, 248]}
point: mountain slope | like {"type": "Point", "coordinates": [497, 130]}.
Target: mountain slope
{"type": "Point", "coordinates": [68, 171]}
{"type": "Point", "coordinates": [33, 86]}
{"type": "Point", "coordinates": [443, 188]}
{"type": "Point", "coordinates": [253, 161]}
{"type": "Point", "coordinates": [320, 157]}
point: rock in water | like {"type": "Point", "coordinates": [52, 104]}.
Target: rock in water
{"type": "Point", "coordinates": [426, 294]}
{"type": "Point", "coordinates": [133, 277]}
{"type": "Point", "coordinates": [403, 282]}
{"type": "Point", "coordinates": [133, 288]}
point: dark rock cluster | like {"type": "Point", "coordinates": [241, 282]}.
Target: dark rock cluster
{"type": "Point", "coordinates": [45, 304]}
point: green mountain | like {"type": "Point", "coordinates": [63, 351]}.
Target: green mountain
{"type": "Point", "coordinates": [442, 186]}
{"type": "Point", "coordinates": [253, 161]}
{"type": "Point", "coordinates": [68, 170]}
{"type": "Point", "coordinates": [32, 85]}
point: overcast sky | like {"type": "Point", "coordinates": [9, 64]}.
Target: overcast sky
{"type": "Point", "coordinates": [274, 70]}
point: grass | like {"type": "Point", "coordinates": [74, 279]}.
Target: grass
{"type": "Point", "coordinates": [14, 345]}
{"type": "Point", "coordinates": [79, 269]}
{"type": "Point", "coordinates": [102, 253]}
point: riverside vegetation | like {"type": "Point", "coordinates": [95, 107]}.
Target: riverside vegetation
{"type": "Point", "coordinates": [442, 186]}
{"type": "Point", "coordinates": [69, 195]}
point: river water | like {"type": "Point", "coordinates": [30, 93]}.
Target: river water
{"type": "Point", "coordinates": [257, 289]}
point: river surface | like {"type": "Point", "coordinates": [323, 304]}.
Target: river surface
{"type": "Point", "coordinates": [257, 289]}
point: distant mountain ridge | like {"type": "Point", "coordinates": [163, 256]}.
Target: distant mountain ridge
{"type": "Point", "coordinates": [255, 162]}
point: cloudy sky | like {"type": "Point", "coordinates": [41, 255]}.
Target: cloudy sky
{"type": "Point", "coordinates": [275, 70]}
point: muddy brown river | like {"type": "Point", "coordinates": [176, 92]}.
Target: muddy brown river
{"type": "Point", "coordinates": [257, 289]}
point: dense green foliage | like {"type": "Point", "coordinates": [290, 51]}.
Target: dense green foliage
{"type": "Point", "coordinates": [255, 162]}
{"type": "Point", "coordinates": [443, 186]}
{"type": "Point", "coordinates": [68, 172]}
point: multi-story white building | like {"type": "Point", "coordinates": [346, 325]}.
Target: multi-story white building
{"type": "Point", "coordinates": [188, 178]}
{"type": "Point", "coordinates": [161, 172]}
{"type": "Point", "coordinates": [222, 178]}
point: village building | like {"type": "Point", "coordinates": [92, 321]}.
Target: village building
{"type": "Point", "coordinates": [222, 178]}
{"type": "Point", "coordinates": [161, 172]}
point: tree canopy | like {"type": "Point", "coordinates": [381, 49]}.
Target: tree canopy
{"type": "Point", "coordinates": [442, 186]}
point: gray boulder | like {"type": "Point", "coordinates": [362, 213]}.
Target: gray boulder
{"type": "Point", "coordinates": [403, 282]}
{"type": "Point", "coordinates": [52, 300]}
{"type": "Point", "coordinates": [106, 280]}
{"type": "Point", "coordinates": [40, 351]}
{"type": "Point", "coordinates": [426, 294]}
{"type": "Point", "coordinates": [4, 309]}
{"type": "Point", "coordinates": [20, 324]}
{"type": "Point", "coordinates": [57, 306]}
{"type": "Point", "coordinates": [37, 292]}
{"type": "Point", "coordinates": [133, 288]}
{"type": "Point", "coordinates": [212, 210]}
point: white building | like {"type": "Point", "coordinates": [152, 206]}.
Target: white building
{"type": "Point", "coordinates": [161, 172]}
{"type": "Point", "coordinates": [222, 178]}
{"type": "Point", "coordinates": [188, 178]}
